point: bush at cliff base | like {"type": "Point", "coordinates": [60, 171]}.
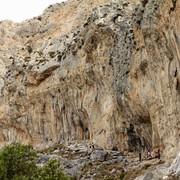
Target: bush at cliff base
{"type": "Point", "coordinates": [18, 162]}
{"type": "Point", "coordinates": [50, 172]}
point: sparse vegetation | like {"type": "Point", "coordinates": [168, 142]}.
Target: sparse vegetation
{"type": "Point", "coordinates": [52, 54]}
{"type": "Point", "coordinates": [51, 172]}
{"type": "Point", "coordinates": [27, 59]}
{"type": "Point", "coordinates": [51, 149]}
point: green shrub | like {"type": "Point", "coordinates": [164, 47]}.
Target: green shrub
{"type": "Point", "coordinates": [19, 162]}
{"type": "Point", "coordinates": [51, 171]}
{"type": "Point", "coordinates": [52, 54]}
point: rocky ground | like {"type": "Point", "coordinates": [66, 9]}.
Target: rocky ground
{"type": "Point", "coordinates": [84, 161]}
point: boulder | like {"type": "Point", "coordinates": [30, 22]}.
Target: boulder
{"type": "Point", "coordinates": [99, 155]}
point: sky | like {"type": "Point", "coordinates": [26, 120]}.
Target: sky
{"type": "Point", "coordinates": [19, 10]}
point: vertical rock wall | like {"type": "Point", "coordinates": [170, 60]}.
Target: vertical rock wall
{"type": "Point", "coordinates": [110, 75]}
{"type": "Point", "coordinates": [155, 72]}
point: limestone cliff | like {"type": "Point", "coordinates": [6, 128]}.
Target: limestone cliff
{"type": "Point", "coordinates": [107, 71]}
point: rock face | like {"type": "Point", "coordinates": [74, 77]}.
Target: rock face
{"type": "Point", "coordinates": [107, 72]}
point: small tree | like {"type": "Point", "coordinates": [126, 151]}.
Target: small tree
{"type": "Point", "coordinates": [17, 161]}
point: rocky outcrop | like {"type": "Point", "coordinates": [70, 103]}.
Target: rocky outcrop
{"type": "Point", "coordinates": [107, 72]}
{"type": "Point", "coordinates": [82, 161]}
{"type": "Point", "coordinates": [163, 171]}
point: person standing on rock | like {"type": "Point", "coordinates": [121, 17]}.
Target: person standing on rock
{"type": "Point", "coordinates": [140, 157]}
{"type": "Point", "coordinates": [93, 148]}
{"type": "Point", "coordinates": [158, 154]}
